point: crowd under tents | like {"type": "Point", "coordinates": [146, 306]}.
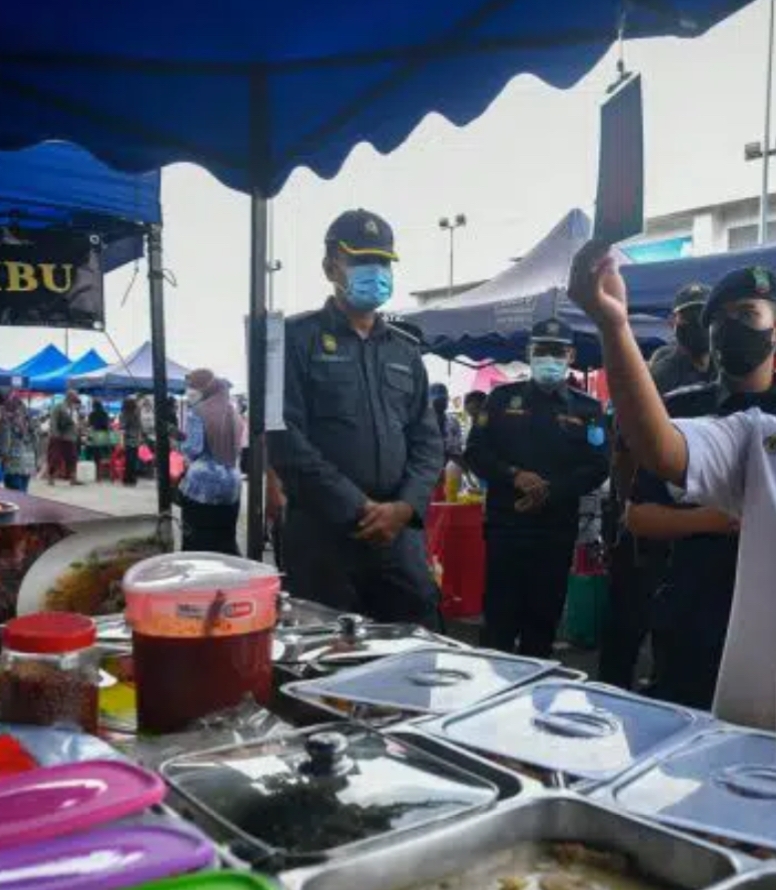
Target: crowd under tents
{"type": "Point", "coordinates": [133, 374]}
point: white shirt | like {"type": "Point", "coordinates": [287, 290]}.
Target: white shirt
{"type": "Point", "coordinates": [732, 466]}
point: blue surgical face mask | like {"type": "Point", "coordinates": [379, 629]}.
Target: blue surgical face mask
{"type": "Point", "coordinates": [548, 371]}
{"type": "Point", "coordinates": [368, 286]}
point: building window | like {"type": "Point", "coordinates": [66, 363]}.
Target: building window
{"type": "Point", "coordinates": [745, 237]}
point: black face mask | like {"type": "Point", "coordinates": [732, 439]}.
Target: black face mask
{"type": "Point", "coordinates": [694, 337]}
{"type": "Point", "coordinates": [740, 349]}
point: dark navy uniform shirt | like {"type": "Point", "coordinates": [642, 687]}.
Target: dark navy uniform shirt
{"type": "Point", "coordinates": [358, 422]}
{"type": "Point", "coordinates": [671, 367]}
{"type": "Point", "coordinates": [560, 435]}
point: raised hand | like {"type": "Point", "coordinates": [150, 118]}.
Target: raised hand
{"type": "Point", "coordinates": [597, 287]}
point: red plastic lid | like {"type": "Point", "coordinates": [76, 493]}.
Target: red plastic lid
{"type": "Point", "coordinates": [49, 632]}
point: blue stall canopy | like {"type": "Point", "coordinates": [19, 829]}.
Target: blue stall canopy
{"type": "Point", "coordinates": [253, 90]}
{"type": "Point", "coordinates": [9, 380]}
{"type": "Point", "coordinates": [58, 381]}
{"type": "Point", "coordinates": [56, 184]}
{"type": "Point", "coordinates": [493, 321]}
{"type": "Point", "coordinates": [135, 374]}
{"type": "Point", "coordinates": [48, 360]}
{"type": "Point", "coordinates": [652, 286]}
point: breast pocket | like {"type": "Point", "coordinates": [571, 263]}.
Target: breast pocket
{"type": "Point", "coordinates": [334, 389]}
{"type": "Point", "coordinates": [399, 391]}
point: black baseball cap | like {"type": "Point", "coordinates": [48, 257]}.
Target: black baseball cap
{"type": "Point", "coordinates": [553, 330]}
{"type": "Point", "coordinates": [752, 282]}
{"type": "Point", "coordinates": [694, 294]}
{"type": "Point", "coordinates": [360, 233]}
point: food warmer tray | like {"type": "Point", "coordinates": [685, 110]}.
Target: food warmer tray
{"type": "Point", "coordinates": [584, 731]}
{"type": "Point", "coordinates": [433, 680]}
{"type": "Point", "coordinates": [353, 640]}
{"type": "Point", "coordinates": [720, 783]}
{"type": "Point", "coordinates": [465, 855]}
{"type": "Point", "coordinates": [366, 789]}
{"type": "Point", "coordinates": [762, 878]}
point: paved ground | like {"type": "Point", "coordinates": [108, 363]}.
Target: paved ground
{"type": "Point", "coordinates": [116, 500]}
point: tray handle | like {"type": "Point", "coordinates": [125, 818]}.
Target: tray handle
{"type": "Point", "coordinates": [749, 780]}
{"type": "Point", "coordinates": [576, 724]}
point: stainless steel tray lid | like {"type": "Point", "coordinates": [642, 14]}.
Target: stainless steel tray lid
{"type": "Point", "coordinates": [721, 782]}
{"type": "Point", "coordinates": [579, 730]}
{"type": "Point", "coordinates": [353, 640]}
{"type": "Point", "coordinates": [307, 793]}
{"type": "Point", "coordinates": [434, 680]}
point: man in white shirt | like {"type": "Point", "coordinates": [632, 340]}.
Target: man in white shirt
{"type": "Point", "coordinates": [729, 463]}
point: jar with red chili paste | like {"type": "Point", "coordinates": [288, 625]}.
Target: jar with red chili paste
{"type": "Point", "coordinates": [49, 671]}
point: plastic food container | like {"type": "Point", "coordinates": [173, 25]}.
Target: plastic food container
{"type": "Point", "coordinates": [216, 880]}
{"type": "Point", "coordinates": [57, 800]}
{"type": "Point", "coordinates": [48, 671]}
{"type": "Point", "coordinates": [107, 858]}
{"type": "Point", "coordinates": [332, 789]}
{"type": "Point", "coordinates": [201, 635]}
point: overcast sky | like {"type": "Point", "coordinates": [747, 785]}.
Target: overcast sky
{"type": "Point", "coordinates": [514, 173]}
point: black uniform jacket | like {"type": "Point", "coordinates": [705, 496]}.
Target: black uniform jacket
{"type": "Point", "coordinates": [559, 435]}
{"type": "Point", "coordinates": [358, 422]}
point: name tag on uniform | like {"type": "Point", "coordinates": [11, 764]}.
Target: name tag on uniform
{"type": "Point", "coordinates": [569, 418]}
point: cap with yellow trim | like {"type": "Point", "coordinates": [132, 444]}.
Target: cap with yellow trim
{"type": "Point", "coordinates": [360, 233]}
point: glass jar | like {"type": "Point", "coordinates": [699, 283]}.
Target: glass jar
{"type": "Point", "coordinates": [49, 671]}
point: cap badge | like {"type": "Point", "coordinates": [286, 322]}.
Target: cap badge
{"type": "Point", "coordinates": [553, 328]}
{"type": "Point", "coordinates": [762, 282]}
{"type": "Point", "coordinates": [516, 402]}
{"type": "Point", "coordinates": [329, 343]}
{"type": "Point", "coordinates": [370, 227]}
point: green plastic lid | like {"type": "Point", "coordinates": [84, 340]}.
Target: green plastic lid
{"type": "Point", "coordinates": [214, 880]}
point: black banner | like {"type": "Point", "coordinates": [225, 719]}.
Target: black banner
{"type": "Point", "coordinates": [51, 280]}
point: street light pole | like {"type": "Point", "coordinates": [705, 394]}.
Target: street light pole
{"type": "Point", "coordinates": [450, 226]}
{"type": "Point", "coordinates": [763, 232]}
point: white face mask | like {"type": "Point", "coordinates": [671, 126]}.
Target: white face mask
{"type": "Point", "coordinates": [193, 397]}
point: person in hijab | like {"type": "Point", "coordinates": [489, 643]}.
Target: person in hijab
{"type": "Point", "coordinates": [18, 444]}
{"type": "Point", "coordinates": [132, 434]}
{"type": "Point", "coordinates": [210, 489]}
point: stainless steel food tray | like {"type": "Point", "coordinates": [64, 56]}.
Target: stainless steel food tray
{"type": "Point", "coordinates": [464, 855]}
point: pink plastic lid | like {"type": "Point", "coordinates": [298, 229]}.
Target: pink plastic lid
{"type": "Point", "coordinates": [45, 803]}
{"type": "Point", "coordinates": [107, 858]}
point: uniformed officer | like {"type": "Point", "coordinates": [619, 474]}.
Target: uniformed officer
{"type": "Point", "coordinates": [540, 446]}
{"type": "Point", "coordinates": [694, 603]}
{"type": "Point", "coordinates": [687, 361]}
{"type": "Point", "coordinates": [361, 452]}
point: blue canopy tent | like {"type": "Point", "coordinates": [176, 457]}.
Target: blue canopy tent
{"type": "Point", "coordinates": [135, 374]}
{"type": "Point", "coordinates": [58, 185]}
{"type": "Point", "coordinates": [252, 90]}
{"type": "Point", "coordinates": [652, 286]}
{"type": "Point", "coordinates": [494, 321]}
{"type": "Point", "coordinates": [57, 381]}
{"type": "Point", "coordinates": [49, 359]}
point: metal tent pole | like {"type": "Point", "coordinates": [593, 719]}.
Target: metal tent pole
{"type": "Point", "coordinates": [159, 356]}
{"type": "Point", "coordinates": [257, 368]}
{"type": "Point", "coordinates": [763, 229]}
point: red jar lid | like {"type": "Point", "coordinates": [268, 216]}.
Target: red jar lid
{"type": "Point", "coordinates": [49, 632]}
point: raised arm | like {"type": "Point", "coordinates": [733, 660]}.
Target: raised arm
{"type": "Point", "coordinates": [598, 288]}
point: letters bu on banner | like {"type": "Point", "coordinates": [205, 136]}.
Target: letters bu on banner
{"type": "Point", "coordinates": [52, 280]}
